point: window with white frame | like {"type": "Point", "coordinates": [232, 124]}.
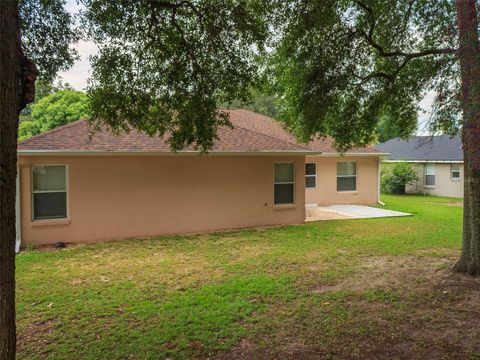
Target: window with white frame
{"type": "Point", "coordinates": [49, 192]}
{"type": "Point", "coordinates": [430, 175]}
{"type": "Point", "coordinates": [347, 176]}
{"type": "Point", "coordinates": [284, 183]}
{"type": "Point", "coordinates": [455, 171]}
{"type": "Point", "coordinates": [310, 175]}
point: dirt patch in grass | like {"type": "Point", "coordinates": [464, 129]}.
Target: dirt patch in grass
{"type": "Point", "coordinates": [402, 307]}
{"type": "Point", "coordinates": [390, 272]}
{"type": "Point", "coordinates": [30, 336]}
{"type": "Point", "coordinates": [449, 203]}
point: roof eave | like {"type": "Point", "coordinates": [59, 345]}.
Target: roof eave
{"type": "Point", "coordinates": [334, 154]}
{"type": "Point", "coordinates": [426, 161]}
{"type": "Point", "coordinates": [165, 153]}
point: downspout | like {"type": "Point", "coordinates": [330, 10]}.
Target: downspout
{"type": "Point", "coordinates": [378, 182]}
{"type": "Point", "coordinates": [18, 223]}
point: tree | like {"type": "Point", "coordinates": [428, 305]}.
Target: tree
{"type": "Point", "coordinates": [261, 102]}
{"type": "Point", "coordinates": [163, 68]}
{"type": "Point", "coordinates": [54, 110]}
{"type": "Point", "coordinates": [340, 65]}
{"type": "Point", "coordinates": [42, 89]}
{"type": "Point", "coordinates": [388, 129]}
{"type": "Point", "coordinates": [46, 32]}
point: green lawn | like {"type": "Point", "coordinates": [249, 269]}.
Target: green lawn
{"type": "Point", "coordinates": [377, 288]}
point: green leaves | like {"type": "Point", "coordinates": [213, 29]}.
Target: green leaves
{"type": "Point", "coordinates": [48, 32]}
{"type": "Point", "coordinates": [165, 67]}
{"type": "Point", "coordinates": [339, 66]}
{"type": "Point", "coordinates": [54, 110]}
{"type": "Point", "coordinates": [396, 176]}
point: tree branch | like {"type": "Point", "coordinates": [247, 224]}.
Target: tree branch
{"type": "Point", "coordinates": [383, 53]}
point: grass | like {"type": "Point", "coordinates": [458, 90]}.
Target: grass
{"type": "Point", "coordinates": [372, 288]}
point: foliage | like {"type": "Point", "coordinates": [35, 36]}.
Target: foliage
{"type": "Point", "coordinates": [339, 66]}
{"type": "Point", "coordinates": [395, 176]}
{"type": "Point", "coordinates": [48, 32]}
{"type": "Point", "coordinates": [185, 297]}
{"type": "Point", "coordinates": [261, 102]}
{"type": "Point", "coordinates": [42, 89]}
{"type": "Point", "coordinates": [388, 129]}
{"type": "Point", "coordinates": [165, 67]}
{"type": "Point", "coordinates": [54, 110]}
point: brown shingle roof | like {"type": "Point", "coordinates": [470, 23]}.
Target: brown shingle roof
{"type": "Point", "coordinates": [252, 133]}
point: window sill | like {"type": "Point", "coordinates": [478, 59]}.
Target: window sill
{"type": "Point", "coordinates": [284, 206]}
{"type": "Point", "coordinates": [50, 222]}
{"type": "Point", "coordinates": [456, 180]}
{"type": "Point", "coordinates": [429, 187]}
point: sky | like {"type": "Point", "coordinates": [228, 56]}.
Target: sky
{"type": "Point", "coordinates": [78, 75]}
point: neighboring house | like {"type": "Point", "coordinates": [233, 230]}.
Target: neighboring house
{"type": "Point", "coordinates": [438, 161]}
{"type": "Point", "coordinates": [76, 189]}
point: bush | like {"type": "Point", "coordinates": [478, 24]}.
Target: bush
{"type": "Point", "coordinates": [395, 177]}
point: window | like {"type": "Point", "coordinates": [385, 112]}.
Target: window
{"type": "Point", "coordinates": [455, 172]}
{"type": "Point", "coordinates": [430, 175]}
{"type": "Point", "coordinates": [284, 183]}
{"type": "Point", "coordinates": [311, 175]}
{"type": "Point", "coordinates": [49, 192]}
{"type": "Point", "coordinates": [346, 176]}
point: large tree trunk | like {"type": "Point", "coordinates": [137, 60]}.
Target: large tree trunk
{"type": "Point", "coordinates": [469, 55]}
{"type": "Point", "coordinates": [17, 78]}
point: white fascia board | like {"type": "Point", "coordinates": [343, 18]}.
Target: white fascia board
{"type": "Point", "coordinates": [325, 154]}
{"type": "Point", "coordinates": [426, 161]}
{"type": "Point", "coordinates": [163, 153]}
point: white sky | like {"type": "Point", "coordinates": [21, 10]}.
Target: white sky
{"type": "Point", "coordinates": [78, 75]}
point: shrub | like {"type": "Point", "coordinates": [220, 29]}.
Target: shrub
{"type": "Point", "coordinates": [395, 177]}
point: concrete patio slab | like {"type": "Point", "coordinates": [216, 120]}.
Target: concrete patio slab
{"type": "Point", "coordinates": [335, 212]}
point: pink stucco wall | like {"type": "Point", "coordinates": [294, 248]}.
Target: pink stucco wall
{"type": "Point", "coordinates": [117, 197]}
{"type": "Point", "coordinates": [326, 191]}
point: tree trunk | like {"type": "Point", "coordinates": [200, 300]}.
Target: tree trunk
{"type": "Point", "coordinates": [17, 79]}
{"type": "Point", "coordinates": [469, 56]}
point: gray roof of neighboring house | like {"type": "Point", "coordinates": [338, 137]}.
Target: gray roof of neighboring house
{"type": "Point", "coordinates": [427, 148]}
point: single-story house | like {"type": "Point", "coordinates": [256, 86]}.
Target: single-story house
{"type": "Point", "coordinates": [74, 187]}
{"type": "Point", "coordinates": [438, 161]}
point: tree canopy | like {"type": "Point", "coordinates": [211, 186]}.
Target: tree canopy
{"type": "Point", "coordinates": [340, 65]}
{"type": "Point", "coordinates": [54, 110]}
{"type": "Point", "coordinates": [165, 67]}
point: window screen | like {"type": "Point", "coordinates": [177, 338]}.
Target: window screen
{"type": "Point", "coordinates": [49, 192]}
{"type": "Point", "coordinates": [430, 175]}
{"type": "Point", "coordinates": [284, 183]}
{"type": "Point", "coordinates": [346, 176]}
{"type": "Point", "coordinates": [310, 175]}
{"type": "Point", "coordinates": [455, 171]}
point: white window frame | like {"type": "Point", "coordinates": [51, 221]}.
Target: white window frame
{"type": "Point", "coordinates": [311, 176]}
{"type": "Point", "coordinates": [432, 165]}
{"type": "Point", "coordinates": [455, 171]}
{"type": "Point", "coordinates": [284, 183]}
{"type": "Point", "coordinates": [347, 176]}
{"type": "Point", "coordinates": [67, 212]}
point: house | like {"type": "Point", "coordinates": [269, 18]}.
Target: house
{"type": "Point", "coordinates": [438, 161]}
{"type": "Point", "coordinates": [79, 188]}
